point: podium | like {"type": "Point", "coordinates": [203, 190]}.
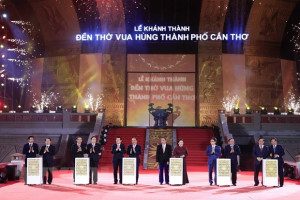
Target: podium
{"type": "Point", "coordinates": [270, 172]}
{"type": "Point", "coordinates": [223, 171]}
{"type": "Point", "coordinates": [176, 171]}
{"type": "Point", "coordinates": [128, 171]}
{"type": "Point", "coordinates": [34, 171]}
{"type": "Point", "coordinates": [82, 170]}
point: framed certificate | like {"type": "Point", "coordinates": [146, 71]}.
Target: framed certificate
{"type": "Point", "coordinates": [82, 170]}
{"type": "Point", "coordinates": [34, 171]}
{"type": "Point", "coordinates": [129, 171]}
{"type": "Point", "coordinates": [270, 172]}
{"type": "Point", "coordinates": [176, 171]}
{"type": "Point", "coordinates": [223, 171]}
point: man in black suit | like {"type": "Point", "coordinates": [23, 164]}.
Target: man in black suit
{"type": "Point", "coordinates": [134, 151]}
{"type": "Point", "coordinates": [232, 151]}
{"type": "Point", "coordinates": [30, 150]}
{"type": "Point", "coordinates": [163, 155]}
{"type": "Point", "coordinates": [276, 151]}
{"type": "Point", "coordinates": [94, 151]}
{"type": "Point", "coordinates": [47, 151]}
{"type": "Point", "coordinates": [78, 150]}
{"type": "Point", "coordinates": [118, 150]}
{"type": "Point", "coordinates": [260, 152]}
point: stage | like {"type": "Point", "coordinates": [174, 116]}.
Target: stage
{"type": "Point", "coordinates": [148, 188]}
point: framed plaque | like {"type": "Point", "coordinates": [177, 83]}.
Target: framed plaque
{"type": "Point", "coordinates": [270, 172]}
{"type": "Point", "coordinates": [129, 171]}
{"type": "Point", "coordinates": [176, 171]}
{"type": "Point", "coordinates": [82, 170]}
{"type": "Point", "coordinates": [34, 171]}
{"type": "Point", "coordinates": [223, 171]}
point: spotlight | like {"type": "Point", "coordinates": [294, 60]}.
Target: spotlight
{"type": "Point", "coordinates": [2, 27]}
{"type": "Point", "coordinates": [87, 109]}
{"type": "Point", "coordinates": [46, 109]}
{"type": "Point", "coordinates": [4, 37]}
{"type": "Point", "coordinates": [276, 111]}
{"type": "Point", "coordinates": [5, 109]}
{"type": "Point", "coordinates": [290, 111]}
{"type": "Point", "coordinates": [19, 109]}
{"type": "Point", "coordinates": [263, 111]}
{"type": "Point", "coordinates": [3, 65]}
{"type": "Point", "coordinates": [3, 56]}
{"type": "Point", "coordinates": [2, 75]}
{"type": "Point", "coordinates": [74, 109]}
{"type": "Point", "coordinates": [2, 84]}
{"type": "Point", "coordinates": [4, 15]}
{"type": "Point", "coordinates": [32, 109]}
{"type": "Point", "coordinates": [236, 111]}
{"type": "Point", "coordinates": [248, 110]}
{"type": "Point", "coordinates": [59, 109]}
{"type": "Point", "coordinates": [1, 46]}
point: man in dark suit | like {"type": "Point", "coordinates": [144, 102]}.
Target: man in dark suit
{"type": "Point", "coordinates": [30, 150]}
{"type": "Point", "coordinates": [213, 152]}
{"type": "Point", "coordinates": [47, 151]}
{"type": "Point", "coordinates": [134, 151]}
{"type": "Point", "coordinates": [260, 152]}
{"type": "Point", "coordinates": [78, 150]}
{"type": "Point", "coordinates": [276, 151]}
{"type": "Point", "coordinates": [232, 151]}
{"type": "Point", "coordinates": [163, 155]}
{"type": "Point", "coordinates": [94, 151]}
{"type": "Point", "coordinates": [118, 150]}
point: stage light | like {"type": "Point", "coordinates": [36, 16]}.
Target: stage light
{"type": "Point", "coordinates": [290, 111]}
{"type": "Point", "coordinates": [4, 15]}
{"type": "Point", "coordinates": [59, 109]}
{"type": "Point", "coordinates": [74, 109]}
{"type": "Point", "coordinates": [1, 46]}
{"type": "Point", "coordinates": [19, 109]}
{"type": "Point", "coordinates": [3, 56]}
{"type": "Point", "coordinates": [263, 111]}
{"type": "Point", "coordinates": [248, 110]}
{"type": "Point", "coordinates": [46, 109]}
{"type": "Point", "coordinates": [32, 109]}
{"type": "Point", "coordinates": [3, 37]}
{"type": "Point", "coordinates": [2, 75]}
{"type": "Point", "coordinates": [236, 111]}
{"type": "Point", "coordinates": [5, 109]}
{"type": "Point", "coordinates": [2, 84]}
{"type": "Point", "coordinates": [2, 65]}
{"type": "Point", "coordinates": [276, 111]}
{"type": "Point", "coordinates": [86, 109]}
{"type": "Point", "coordinates": [2, 27]}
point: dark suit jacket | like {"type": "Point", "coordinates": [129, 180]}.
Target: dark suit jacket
{"type": "Point", "coordinates": [76, 153]}
{"type": "Point", "coordinates": [232, 156]}
{"type": "Point", "coordinates": [118, 154]}
{"type": "Point", "coordinates": [257, 153]}
{"type": "Point", "coordinates": [31, 154]}
{"type": "Point", "coordinates": [48, 156]}
{"type": "Point", "coordinates": [278, 150]}
{"type": "Point", "coordinates": [138, 151]}
{"type": "Point", "coordinates": [163, 157]}
{"type": "Point", "coordinates": [213, 156]}
{"type": "Point", "coordinates": [94, 156]}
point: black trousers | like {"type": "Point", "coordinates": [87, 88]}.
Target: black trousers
{"type": "Point", "coordinates": [117, 164]}
{"type": "Point", "coordinates": [280, 173]}
{"type": "Point", "coordinates": [93, 171]}
{"type": "Point", "coordinates": [234, 168]}
{"type": "Point", "coordinates": [257, 169]}
{"type": "Point", "coordinates": [48, 169]}
{"type": "Point", "coordinates": [137, 170]}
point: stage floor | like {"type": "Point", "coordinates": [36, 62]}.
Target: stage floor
{"type": "Point", "coordinates": [148, 189]}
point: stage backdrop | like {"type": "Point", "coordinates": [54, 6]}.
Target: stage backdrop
{"type": "Point", "coordinates": [161, 79]}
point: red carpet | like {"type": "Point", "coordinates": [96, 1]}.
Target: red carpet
{"type": "Point", "coordinates": [148, 189]}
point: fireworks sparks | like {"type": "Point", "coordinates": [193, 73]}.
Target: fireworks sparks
{"type": "Point", "coordinates": [296, 37]}
{"type": "Point", "coordinates": [229, 102]}
{"type": "Point", "coordinates": [293, 102]}
{"type": "Point", "coordinates": [47, 99]}
{"type": "Point", "coordinates": [94, 102]}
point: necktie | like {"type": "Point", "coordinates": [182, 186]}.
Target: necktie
{"type": "Point", "coordinates": [274, 147]}
{"type": "Point", "coordinates": [260, 148]}
{"type": "Point", "coordinates": [164, 147]}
